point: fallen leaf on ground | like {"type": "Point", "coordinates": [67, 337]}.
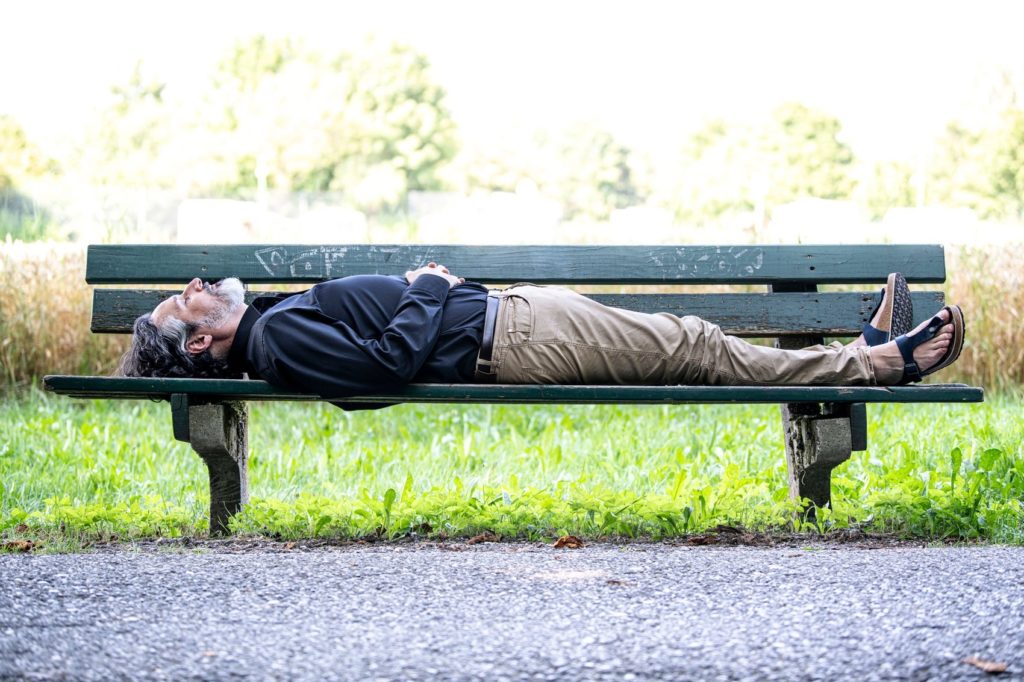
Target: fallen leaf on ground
{"type": "Point", "coordinates": [21, 528]}
{"type": "Point", "coordinates": [568, 542]}
{"type": "Point", "coordinates": [483, 537]}
{"type": "Point", "coordinates": [289, 545]}
{"type": "Point", "coordinates": [991, 667]}
{"type": "Point", "coordinates": [19, 545]}
{"type": "Point", "coordinates": [615, 581]}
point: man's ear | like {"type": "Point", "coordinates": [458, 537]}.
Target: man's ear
{"type": "Point", "coordinates": [198, 343]}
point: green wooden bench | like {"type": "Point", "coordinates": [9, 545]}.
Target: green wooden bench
{"type": "Point", "coordinates": [823, 424]}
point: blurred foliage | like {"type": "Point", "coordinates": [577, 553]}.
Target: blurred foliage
{"type": "Point", "coordinates": [129, 143]}
{"type": "Point", "coordinates": [279, 115]}
{"type": "Point", "coordinates": [20, 160]}
{"type": "Point", "coordinates": [806, 156]}
{"type": "Point", "coordinates": [595, 174]}
{"type": "Point", "coordinates": [23, 219]}
{"type": "Point", "coordinates": [890, 184]}
{"type": "Point", "coordinates": [982, 168]}
{"type": "Point", "coordinates": [730, 168]}
{"type": "Point", "coordinates": [370, 124]}
{"type": "Point", "coordinates": [585, 168]}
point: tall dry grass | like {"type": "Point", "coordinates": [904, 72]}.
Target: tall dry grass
{"type": "Point", "coordinates": [988, 283]}
{"type": "Point", "coordinates": [45, 307]}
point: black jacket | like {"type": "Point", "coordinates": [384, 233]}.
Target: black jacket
{"type": "Point", "coordinates": [362, 334]}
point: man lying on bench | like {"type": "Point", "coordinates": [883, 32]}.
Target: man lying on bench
{"type": "Point", "coordinates": [362, 334]}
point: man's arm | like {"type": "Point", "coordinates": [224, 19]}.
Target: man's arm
{"type": "Point", "coordinates": [307, 351]}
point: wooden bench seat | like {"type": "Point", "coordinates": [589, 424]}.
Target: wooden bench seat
{"type": "Point", "coordinates": [237, 389]}
{"type": "Point", "coordinates": [824, 424]}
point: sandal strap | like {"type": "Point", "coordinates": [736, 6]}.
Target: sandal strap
{"type": "Point", "coordinates": [909, 342]}
{"type": "Point", "coordinates": [873, 335]}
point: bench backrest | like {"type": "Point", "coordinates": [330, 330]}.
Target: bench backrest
{"type": "Point", "coordinates": [792, 306]}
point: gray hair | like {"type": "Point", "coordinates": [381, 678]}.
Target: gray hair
{"type": "Point", "coordinates": [159, 351]}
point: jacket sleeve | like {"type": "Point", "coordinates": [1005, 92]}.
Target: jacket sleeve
{"type": "Point", "coordinates": [312, 353]}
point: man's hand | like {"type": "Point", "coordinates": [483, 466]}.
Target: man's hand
{"type": "Point", "coordinates": [434, 269]}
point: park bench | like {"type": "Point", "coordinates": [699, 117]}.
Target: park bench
{"type": "Point", "coordinates": [823, 424]}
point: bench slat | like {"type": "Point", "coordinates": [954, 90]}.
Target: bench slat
{"type": "Point", "coordinates": [752, 315]}
{"type": "Point", "coordinates": [263, 263]}
{"type": "Point", "coordinates": [228, 389]}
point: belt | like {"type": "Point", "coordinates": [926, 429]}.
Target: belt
{"type": "Point", "coordinates": [483, 360]}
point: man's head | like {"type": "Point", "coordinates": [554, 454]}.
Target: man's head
{"type": "Point", "coordinates": [187, 335]}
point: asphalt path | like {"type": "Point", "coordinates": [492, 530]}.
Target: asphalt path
{"type": "Point", "coordinates": [495, 611]}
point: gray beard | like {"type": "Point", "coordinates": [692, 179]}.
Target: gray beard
{"type": "Point", "coordinates": [229, 294]}
{"type": "Point", "coordinates": [231, 291]}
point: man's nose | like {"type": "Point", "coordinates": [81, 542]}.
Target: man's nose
{"type": "Point", "coordinates": [195, 283]}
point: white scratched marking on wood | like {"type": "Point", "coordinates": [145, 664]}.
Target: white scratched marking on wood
{"type": "Point", "coordinates": [321, 262]}
{"type": "Point", "coordinates": [325, 262]}
{"type": "Point", "coordinates": [722, 261]}
{"type": "Point", "coordinates": [332, 254]}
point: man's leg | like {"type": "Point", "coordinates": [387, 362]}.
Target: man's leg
{"type": "Point", "coordinates": [556, 336]}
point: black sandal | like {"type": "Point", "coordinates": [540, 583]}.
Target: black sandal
{"type": "Point", "coordinates": [897, 312]}
{"type": "Point", "coordinates": [908, 342]}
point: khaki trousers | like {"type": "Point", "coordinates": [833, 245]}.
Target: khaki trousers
{"type": "Point", "coordinates": [552, 335]}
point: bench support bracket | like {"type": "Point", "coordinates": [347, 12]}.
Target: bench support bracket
{"type": "Point", "coordinates": [218, 432]}
{"type": "Point", "coordinates": [815, 444]}
{"type": "Point", "coordinates": [816, 440]}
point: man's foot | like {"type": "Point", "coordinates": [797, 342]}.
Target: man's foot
{"type": "Point", "coordinates": [888, 362]}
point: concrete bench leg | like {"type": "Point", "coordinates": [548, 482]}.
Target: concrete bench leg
{"type": "Point", "coordinates": [816, 441]}
{"type": "Point", "coordinates": [218, 432]}
{"type": "Point", "coordinates": [815, 444]}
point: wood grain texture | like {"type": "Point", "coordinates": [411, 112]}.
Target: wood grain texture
{"type": "Point", "coordinates": [751, 315]}
{"type": "Point", "coordinates": [227, 389]}
{"type": "Point", "coordinates": [263, 263]}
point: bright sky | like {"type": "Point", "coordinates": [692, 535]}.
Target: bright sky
{"type": "Point", "coordinates": [894, 72]}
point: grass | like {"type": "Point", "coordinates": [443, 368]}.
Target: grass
{"type": "Point", "coordinates": [74, 472]}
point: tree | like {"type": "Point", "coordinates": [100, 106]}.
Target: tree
{"type": "Point", "coordinates": [889, 185]}
{"type": "Point", "coordinates": [956, 176]}
{"type": "Point", "coordinates": [806, 155]}
{"type": "Point", "coordinates": [132, 142]}
{"type": "Point", "coordinates": [727, 169]}
{"type": "Point", "coordinates": [20, 159]}
{"type": "Point", "coordinates": [721, 173]}
{"type": "Point", "coordinates": [594, 175]}
{"type": "Point", "coordinates": [370, 123]}
{"type": "Point", "coordinates": [583, 167]}
{"type": "Point", "coordinates": [1006, 170]}
{"type": "Point", "coordinates": [982, 169]}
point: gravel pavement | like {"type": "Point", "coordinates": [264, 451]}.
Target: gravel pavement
{"type": "Point", "coordinates": [514, 611]}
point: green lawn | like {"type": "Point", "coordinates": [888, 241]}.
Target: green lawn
{"type": "Point", "coordinates": [74, 471]}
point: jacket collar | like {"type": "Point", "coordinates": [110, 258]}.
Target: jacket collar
{"type": "Point", "coordinates": [238, 357]}
{"type": "Point", "coordinates": [237, 360]}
